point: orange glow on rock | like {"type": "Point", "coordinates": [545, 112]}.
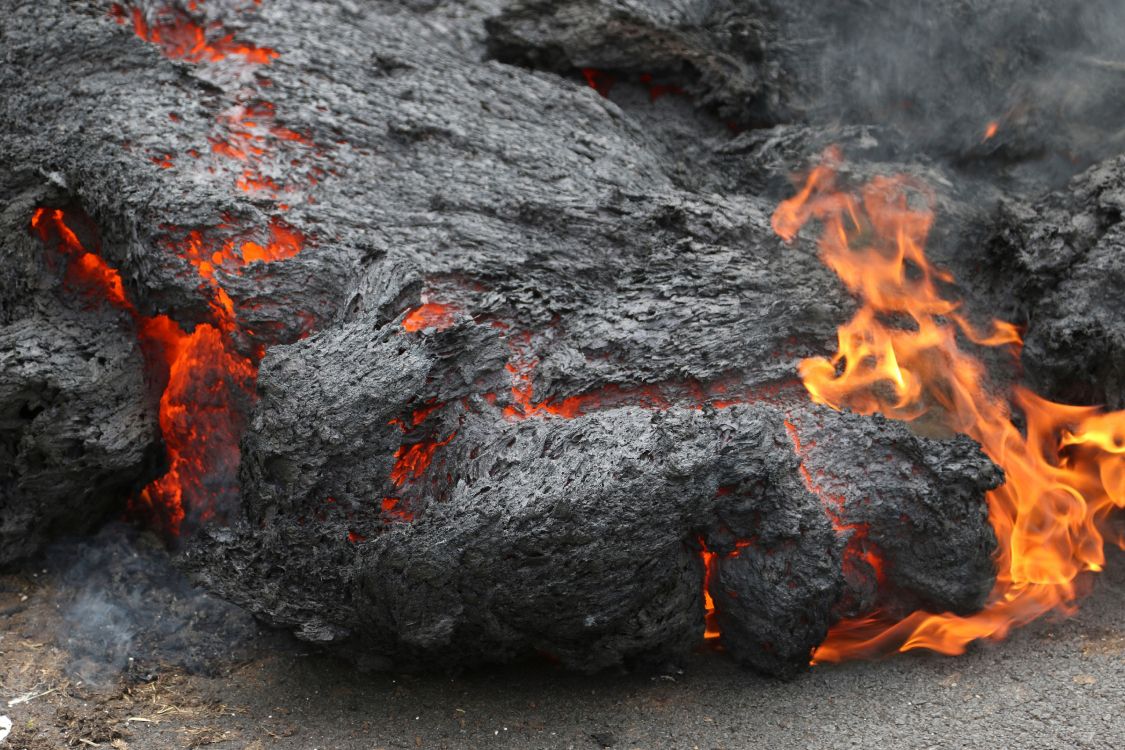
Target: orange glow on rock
{"type": "Point", "coordinates": [205, 385]}
{"type": "Point", "coordinates": [720, 394]}
{"type": "Point", "coordinates": [429, 315]}
{"type": "Point", "coordinates": [285, 242]}
{"type": "Point", "coordinates": [1063, 474]}
{"type": "Point", "coordinates": [411, 461]}
{"type": "Point", "coordinates": [249, 182]}
{"type": "Point", "coordinates": [390, 506]}
{"type": "Point", "coordinates": [86, 270]}
{"type": "Point", "coordinates": [598, 80]}
{"type": "Point", "coordinates": [710, 618]}
{"type": "Point", "coordinates": [991, 129]}
{"type": "Point", "coordinates": [199, 419]}
{"type": "Point", "coordinates": [180, 37]}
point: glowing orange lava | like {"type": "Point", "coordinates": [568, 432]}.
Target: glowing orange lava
{"type": "Point", "coordinates": [720, 393]}
{"type": "Point", "coordinates": [203, 383]}
{"type": "Point", "coordinates": [390, 506]}
{"type": "Point", "coordinates": [901, 355]}
{"type": "Point", "coordinates": [710, 618]}
{"type": "Point", "coordinates": [411, 461]}
{"type": "Point", "coordinates": [991, 129]}
{"type": "Point", "coordinates": [430, 315]}
{"type": "Point", "coordinates": [181, 38]}
{"type": "Point", "coordinates": [88, 271]}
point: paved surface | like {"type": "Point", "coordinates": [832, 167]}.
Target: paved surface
{"type": "Point", "coordinates": [1052, 685]}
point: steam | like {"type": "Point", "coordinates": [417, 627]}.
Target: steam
{"type": "Point", "coordinates": [125, 610]}
{"type": "Point", "coordinates": [1049, 73]}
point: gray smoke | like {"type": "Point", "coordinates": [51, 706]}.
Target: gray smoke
{"type": "Point", "coordinates": [1049, 73]}
{"type": "Point", "coordinates": [126, 610]}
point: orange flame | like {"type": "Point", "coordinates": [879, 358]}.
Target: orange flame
{"type": "Point", "coordinates": [901, 356]}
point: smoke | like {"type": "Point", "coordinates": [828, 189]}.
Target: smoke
{"type": "Point", "coordinates": [1031, 81]}
{"type": "Point", "coordinates": [126, 611]}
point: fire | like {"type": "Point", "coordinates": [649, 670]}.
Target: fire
{"type": "Point", "coordinates": [901, 355]}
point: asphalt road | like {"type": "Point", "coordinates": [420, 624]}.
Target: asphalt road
{"type": "Point", "coordinates": [1052, 685]}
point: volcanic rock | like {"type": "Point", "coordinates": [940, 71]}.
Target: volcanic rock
{"type": "Point", "coordinates": [1060, 261]}
{"type": "Point", "coordinates": [77, 426]}
{"type": "Point", "coordinates": [522, 365]}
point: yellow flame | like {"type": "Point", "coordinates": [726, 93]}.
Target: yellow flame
{"type": "Point", "coordinates": [901, 356]}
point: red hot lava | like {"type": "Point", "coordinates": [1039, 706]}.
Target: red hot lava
{"type": "Point", "coordinates": [181, 37]}
{"type": "Point", "coordinates": [205, 385]}
{"type": "Point", "coordinates": [429, 315]}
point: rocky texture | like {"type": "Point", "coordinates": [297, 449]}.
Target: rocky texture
{"type": "Point", "coordinates": [126, 611]}
{"type": "Point", "coordinates": [77, 425]}
{"type": "Point", "coordinates": [603, 388]}
{"type": "Point", "coordinates": [940, 71]}
{"type": "Point", "coordinates": [581, 537]}
{"type": "Point", "coordinates": [1060, 261]}
{"type": "Point", "coordinates": [77, 432]}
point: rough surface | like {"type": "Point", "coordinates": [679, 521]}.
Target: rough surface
{"type": "Point", "coordinates": [506, 553]}
{"type": "Point", "coordinates": [1052, 685]}
{"type": "Point", "coordinates": [1061, 262]}
{"type": "Point", "coordinates": [77, 425]}
{"type": "Point", "coordinates": [607, 392]}
{"type": "Point", "coordinates": [941, 71]}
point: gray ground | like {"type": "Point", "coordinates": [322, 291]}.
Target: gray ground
{"type": "Point", "coordinates": [1052, 685]}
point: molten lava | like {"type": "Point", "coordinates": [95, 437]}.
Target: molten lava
{"type": "Point", "coordinates": [392, 511]}
{"type": "Point", "coordinates": [710, 616]}
{"type": "Point", "coordinates": [411, 461]}
{"type": "Point", "coordinates": [429, 315]}
{"type": "Point", "coordinates": [205, 385]}
{"type": "Point", "coordinates": [902, 355]}
{"type": "Point", "coordinates": [181, 37]}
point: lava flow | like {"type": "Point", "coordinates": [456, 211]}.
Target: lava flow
{"type": "Point", "coordinates": [181, 37]}
{"type": "Point", "coordinates": [205, 385]}
{"type": "Point", "coordinates": [901, 355]}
